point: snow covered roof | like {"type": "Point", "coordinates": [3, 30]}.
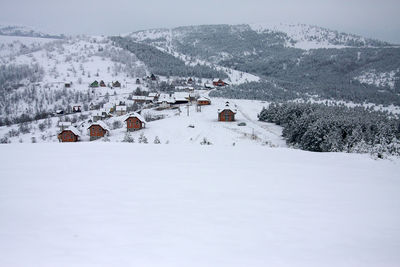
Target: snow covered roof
{"type": "Point", "coordinates": [141, 97]}
{"type": "Point", "coordinates": [153, 94]}
{"type": "Point", "coordinates": [203, 98]}
{"type": "Point", "coordinates": [166, 98]}
{"type": "Point", "coordinates": [64, 123]}
{"type": "Point", "coordinates": [181, 96]}
{"type": "Point", "coordinates": [133, 115]}
{"type": "Point", "coordinates": [227, 107]}
{"type": "Point", "coordinates": [120, 108]}
{"type": "Point", "coordinates": [180, 87]}
{"type": "Point", "coordinates": [73, 130]}
{"type": "Point", "coordinates": [101, 124]}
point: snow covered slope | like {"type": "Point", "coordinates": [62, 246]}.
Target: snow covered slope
{"type": "Point", "coordinates": [313, 37]}
{"type": "Point", "coordinates": [14, 45]}
{"type": "Point", "coordinates": [107, 204]}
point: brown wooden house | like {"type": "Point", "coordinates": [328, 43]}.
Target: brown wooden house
{"type": "Point", "coordinates": [203, 101]}
{"type": "Point", "coordinates": [134, 122]}
{"type": "Point", "coordinates": [226, 113]}
{"type": "Point", "coordinates": [219, 82]}
{"type": "Point", "coordinates": [98, 130]}
{"type": "Point", "coordinates": [70, 134]}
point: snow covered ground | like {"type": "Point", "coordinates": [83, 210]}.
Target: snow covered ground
{"type": "Point", "coordinates": [118, 204]}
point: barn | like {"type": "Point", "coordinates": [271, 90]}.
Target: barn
{"type": "Point", "coordinates": [70, 134]}
{"type": "Point", "coordinates": [227, 113]}
{"type": "Point", "coordinates": [97, 130]}
{"type": "Point", "coordinates": [134, 122]}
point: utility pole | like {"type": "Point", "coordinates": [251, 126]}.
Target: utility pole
{"type": "Point", "coordinates": [187, 109]}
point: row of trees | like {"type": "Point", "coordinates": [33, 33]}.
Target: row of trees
{"type": "Point", "coordinates": [323, 128]}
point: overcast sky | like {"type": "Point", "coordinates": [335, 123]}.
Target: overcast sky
{"type": "Point", "coordinates": [370, 18]}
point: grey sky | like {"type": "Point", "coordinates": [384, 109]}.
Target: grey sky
{"type": "Point", "coordinates": [370, 18]}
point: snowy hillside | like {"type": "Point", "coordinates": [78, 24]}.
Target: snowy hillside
{"type": "Point", "coordinates": [382, 79]}
{"type": "Point", "coordinates": [313, 37]}
{"type": "Point", "coordinates": [76, 61]}
{"type": "Point", "coordinates": [107, 204]}
{"type": "Point", "coordinates": [14, 45]}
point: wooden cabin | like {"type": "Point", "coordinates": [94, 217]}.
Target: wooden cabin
{"type": "Point", "coordinates": [98, 130]}
{"type": "Point", "coordinates": [203, 101]}
{"type": "Point", "coordinates": [102, 83]}
{"type": "Point", "coordinates": [94, 84]}
{"type": "Point", "coordinates": [153, 77]}
{"type": "Point", "coordinates": [190, 81]}
{"type": "Point", "coordinates": [219, 82]}
{"type": "Point", "coordinates": [67, 85]}
{"type": "Point", "coordinates": [134, 122]}
{"type": "Point", "coordinates": [226, 113]}
{"type": "Point", "coordinates": [138, 81]}
{"type": "Point", "coordinates": [116, 84]}
{"type": "Point", "coordinates": [70, 134]}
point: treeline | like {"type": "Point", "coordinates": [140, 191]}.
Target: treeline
{"type": "Point", "coordinates": [323, 128]}
{"type": "Point", "coordinates": [164, 64]}
{"type": "Point", "coordinates": [11, 76]}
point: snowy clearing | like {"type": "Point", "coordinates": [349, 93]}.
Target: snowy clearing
{"type": "Point", "coordinates": [110, 204]}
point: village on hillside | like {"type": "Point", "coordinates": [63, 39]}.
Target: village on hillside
{"type": "Point", "coordinates": [127, 109]}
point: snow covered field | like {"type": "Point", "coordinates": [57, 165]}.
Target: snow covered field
{"type": "Point", "coordinates": [119, 204]}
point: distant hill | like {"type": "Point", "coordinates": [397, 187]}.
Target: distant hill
{"type": "Point", "coordinates": [291, 60]}
{"type": "Point", "coordinates": [26, 32]}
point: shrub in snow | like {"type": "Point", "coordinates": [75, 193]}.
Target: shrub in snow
{"type": "Point", "coordinates": [42, 126]}
{"type": "Point", "coordinates": [205, 142]}
{"type": "Point", "coordinates": [157, 140]}
{"type": "Point", "coordinates": [13, 133]}
{"type": "Point", "coordinates": [5, 140]}
{"type": "Point", "coordinates": [106, 139]}
{"type": "Point", "coordinates": [24, 128]}
{"type": "Point", "coordinates": [117, 125]}
{"type": "Point", "coordinates": [33, 139]}
{"type": "Point", "coordinates": [128, 138]}
{"type": "Point", "coordinates": [142, 139]}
